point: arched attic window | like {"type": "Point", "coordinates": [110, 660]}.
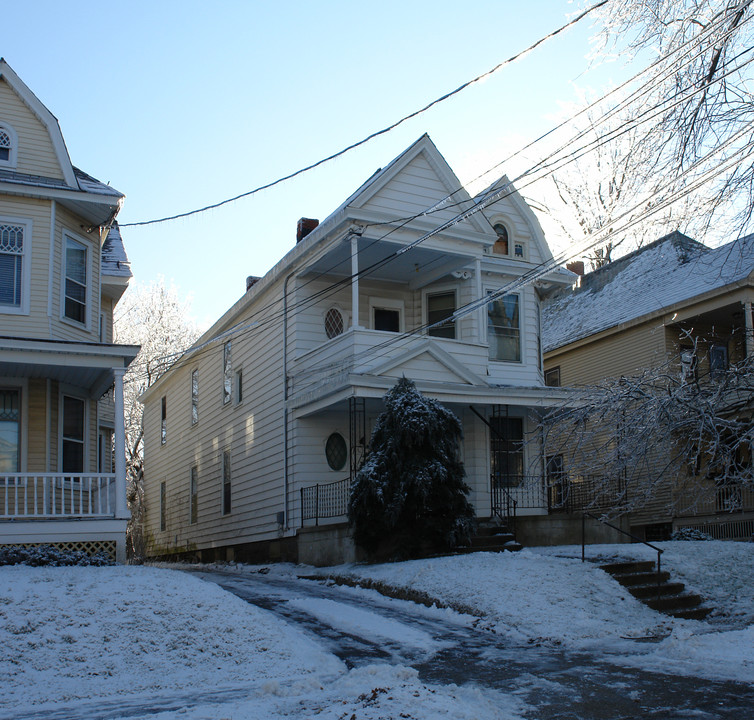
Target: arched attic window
{"type": "Point", "coordinates": [501, 244]}
{"type": "Point", "coordinates": [8, 146]}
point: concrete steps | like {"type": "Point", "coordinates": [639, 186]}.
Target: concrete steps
{"type": "Point", "coordinates": [656, 590]}
{"type": "Point", "coordinates": [492, 538]}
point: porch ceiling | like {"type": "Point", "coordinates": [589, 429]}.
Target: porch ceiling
{"type": "Point", "coordinates": [416, 267]}
{"type": "Point", "coordinates": [89, 366]}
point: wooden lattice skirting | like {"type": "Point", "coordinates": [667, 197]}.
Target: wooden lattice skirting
{"type": "Point", "coordinates": [90, 547]}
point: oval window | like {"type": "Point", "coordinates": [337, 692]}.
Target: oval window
{"type": "Point", "coordinates": [336, 451]}
{"type": "Point", "coordinates": [333, 323]}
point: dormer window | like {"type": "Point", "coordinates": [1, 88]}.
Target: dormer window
{"type": "Point", "coordinates": [501, 244]}
{"type": "Point", "coordinates": [8, 146]}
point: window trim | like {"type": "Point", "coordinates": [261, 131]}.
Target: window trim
{"type": "Point", "coordinates": [163, 506]}
{"type": "Point", "coordinates": [227, 372]}
{"type": "Point", "coordinates": [193, 495]}
{"type": "Point", "coordinates": [194, 397]}
{"type": "Point", "coordinates": [226, 489]}
{"type": "Point", "coordinates": [164, 420]}
{"type": "Point", "coordinates": [555, 369]}
{"type": "Point", "coordinates": [343, 320]}
{"type": "Point", "coordinates": [378, 303]}
{"type": "Point", "coordinates": [23, 307]}
{"type": "Point", "coordinates": [12, 161]}
{"type": "Point", "coordinates": [439, 290]}
{"type": "Point", "coordinates": [521, 359]}
{"type": "Point", "coordinates": [70, 393]}
{"type": "Point", "coordinates": [239, 386]}
{"type": "Point", "coordinates": [89, 298]}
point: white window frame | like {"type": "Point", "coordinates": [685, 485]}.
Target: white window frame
{"type": "Point", "coordinates": [76, 395]}
{"type": "Point", "coordinates": [343, 318]}
{"type": "Point", "coordinates": [23, 307]}
{"type": "Point", "coordinates": [521, 315]}
{"type": "Point", "coordinates": [12, 160]}
{"type": "Point", "coordinates": [194, 397]}
{"type": "Point", "coordinates": [226, 464]}
{"type": "Point", "coordinates": [439, 290]}
{"type": "Point", "coordinates": [227, 372]}
{"type": "Point", "coordinates": [67, 235]}
{"type": "Point", "coordinates": [377, 303]}
{"type": "Point", "coordinates": [193, 494]}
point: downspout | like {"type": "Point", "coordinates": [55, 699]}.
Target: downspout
{"type": "Point", "coordinates": [285, 400]}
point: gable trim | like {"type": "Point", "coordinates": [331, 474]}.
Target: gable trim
{"type": "Point", "coordinates": [45, 117]}
{"type": "Point", "coordinates": [430, 348]}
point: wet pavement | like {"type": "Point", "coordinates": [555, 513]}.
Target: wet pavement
{"type": "Point", "coordinates": [555, 684]}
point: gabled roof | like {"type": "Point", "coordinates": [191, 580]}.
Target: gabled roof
{"type": "Point", "coordinates": [668, 273]}
{"type": "Point", "coordinates": [45, 117]}
{"type": "Point", "coordinates": [83, 194]}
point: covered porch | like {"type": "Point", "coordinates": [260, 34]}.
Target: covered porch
{"type": "Point", "coordinates": [62, 444]}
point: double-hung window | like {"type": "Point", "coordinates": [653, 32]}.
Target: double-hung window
{"type": "Point", "coordinates": [504, 328]}
{"type": "Point", "coordinates": [194, 397]}
{"type": "Point", "coordinates": [75, 281]}
{"type": "Point", "coordinates": [73, 434]}
{"type": "Point", "coordinates": [14, 269]}
{"type": "Point", "coordinates": [227, 373]}
{"type": "Point", "coordinates": [440, 309]}
{"type": "Point", "coordinates": [8, 146]}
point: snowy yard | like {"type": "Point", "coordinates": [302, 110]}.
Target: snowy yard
{"type": "Point", "coordinates": [94, 638]}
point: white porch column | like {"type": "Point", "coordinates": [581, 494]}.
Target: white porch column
{"type": "Point", "coordinates": [354, 281]}
{"type": "Point", "coordinates": [121, 508]}
{"type": "Point", "coordinates": [482, 312]}
{"type": "Point", "coordinates": [749, 329]}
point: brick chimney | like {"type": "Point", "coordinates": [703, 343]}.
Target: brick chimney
{"type": "Point", "coordinates": [577, 266]}
{"type": "Point", "coordinates": [304, 227]}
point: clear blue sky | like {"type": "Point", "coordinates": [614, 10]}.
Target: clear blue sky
{"type": "Point", "coordinates": [182, 104]}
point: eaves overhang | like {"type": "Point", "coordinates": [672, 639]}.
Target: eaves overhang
{"type": "Point", "coordinates": [89, 366]}
{"type": "Point", "coordinates": [342, 387]}
{"type": "Point", "coordinates": [97, 209]}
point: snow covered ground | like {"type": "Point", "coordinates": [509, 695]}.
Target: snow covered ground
{"type": "Point", "coordinates": [104, 640]}
{"type": "Point", "coordinates": [548, 595]}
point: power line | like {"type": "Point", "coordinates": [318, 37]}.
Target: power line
{"type": "Point", "coordinates": [376, 134]}
{"type": "Point", "coordinates": [542, 167]}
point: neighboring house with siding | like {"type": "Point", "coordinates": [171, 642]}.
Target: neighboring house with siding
{"type": "Point", "coordinates": [673, 302]}
{"type": "Point", "coordinates": [251, 439]}
{"type": "Point", "coordinates": [62, 271]}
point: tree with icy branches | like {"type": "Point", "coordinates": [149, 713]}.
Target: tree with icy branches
{"type": "Point", "coordinates": [409, 497]}
{"type": "Point", "coordinates": [664, 437]}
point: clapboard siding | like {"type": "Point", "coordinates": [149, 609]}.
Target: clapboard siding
{"type": "Point", "coordinates": [36, 155]}
{"type": "Point", "coordinates": [625, 353]}
{"type": "Point", "coordinates": [36, 426]}
{"type": "Point", "coordinates": [316, 365]}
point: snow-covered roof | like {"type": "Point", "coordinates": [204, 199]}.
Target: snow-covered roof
{"type": "Point", "coordinates": [672, 270]}
{"type": "Point", "coordinates": [114, 258]}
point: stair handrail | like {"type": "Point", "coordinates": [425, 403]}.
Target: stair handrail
{"type": "Point", "coordinates": [586, 514]}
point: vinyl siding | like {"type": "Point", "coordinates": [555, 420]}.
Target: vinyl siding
{"type": "Point", "coordinates": [36, 155]}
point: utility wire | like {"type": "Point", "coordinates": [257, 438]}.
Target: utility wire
{"type": "Point", "coordinates": [486, 200]}
{"type": "Point", "coordinates": [385, 130]}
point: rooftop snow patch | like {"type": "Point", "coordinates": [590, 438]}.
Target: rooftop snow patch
{"type": "Point", "coordinates": [669, 271]}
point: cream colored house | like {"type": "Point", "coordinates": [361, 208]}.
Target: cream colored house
{"type": "Point", "coordinates": [251, 439]}
{"type": "Point", "coordinates": [62, 271]}
{"type": "Point", "coordinates": [674, 302]}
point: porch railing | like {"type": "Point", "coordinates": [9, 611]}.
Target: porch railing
{"type": "Point", "coordinates": [319, 502]}
{"type": "Point", "coordinates": [585, 493]}
{"type": "Point", "coordinates": [31, 495]}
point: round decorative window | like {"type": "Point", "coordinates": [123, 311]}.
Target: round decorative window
{"type": "Point", "coordinates": [336, 451]}
{"type": "Point", "coordinates": [333, 323]}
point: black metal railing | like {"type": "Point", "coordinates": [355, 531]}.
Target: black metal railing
{"type": "Point", "coordinates": [329, 500]}
{"type": "Point", "coordinates": [585, 493]}
{"type": "Point", "coordinates": [585, 515]}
